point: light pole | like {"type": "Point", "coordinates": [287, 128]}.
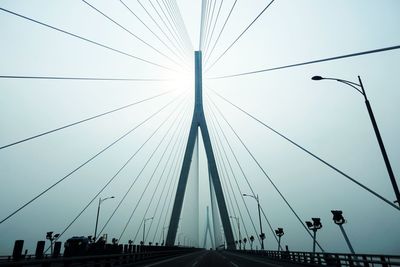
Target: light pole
{"type": "Point", "coordinates": [279, 232]}
{"type": "Point", "coordinates": [163, 235]}
{"type": "Point", "coordinates": [339, 220]}
{"type": "Point", "coordinates": [360, 88]}
{"type": "Point", "coordinates": [251, 242]}
{"type": "Point", "coordinates": [262, 235]}
{"type": "Point", "coordinates": [314, 226]}
{"type": "Point", "coordinates": [97, 217]}
{"type": "Point", "coordinates": [49, 236]}
{"type": "Point", "coordinates": [179, 242]}
{"type": "Point", "coordinates": [144, 228]}
{"type": "Point", "coordinates": [238, 224]}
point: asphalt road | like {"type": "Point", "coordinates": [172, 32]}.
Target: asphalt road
{"type": "Point", "coordinates": [217, 259]}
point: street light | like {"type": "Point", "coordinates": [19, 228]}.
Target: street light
{"type": "Point", "coordinates": [360, 88]}
{"type": "Point", "coordinates": [179, 242]}
{"type": "Point", "coordinates": [238, 224]}
{"type": "Point", "coordinates": [279, 232]}
{"type": "Point", "coordinates": [251, 242]}
{"type": "Point", "coordinates": [262, 235]}
{"type": "Point", "coordinates": [97, 217]}
{"type": "Point", "coordinates": [339, 220]}
{"type": "Point", "coordinates": [163, 235]}
{"type": "Point", "coordinates": [144, 228]}
{"type": "Point", "coordinates": [51, 238]}
{"type": "Point", "coordinates": [314, 226]}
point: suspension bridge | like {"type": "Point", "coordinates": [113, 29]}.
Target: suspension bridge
{"type": "Point", "coordinates": [164, 152]}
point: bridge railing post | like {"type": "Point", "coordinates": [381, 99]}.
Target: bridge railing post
{"type": "Point", "coordinates": [350, 260]}
{"type": "Point", "coordinates": [17, 251]}
{"type": "Point", "coordinates": [383, 262]}
{"type": "Point", "coordinates": [39, 249]}
{"type": "Point", "coordinates": [365, 260]}
{"type": "Point", "coordinates": [338, 261]}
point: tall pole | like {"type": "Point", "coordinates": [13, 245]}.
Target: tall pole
{"type": "Point", "coordinates": [381, 145]}
{"type": "Point", "coordinates": [144, 230]}
{"type": "Point", "coordinates": [97, 220]}
{"type": "Point", "coordinates": [279, 243]}
{"type": "Point", "coordinates": [347, 239]}
{"type": "Point", "coordinates": [240, 236]}
{"type": "Point", "coordinates": [259, 218]}
{"type": "Point", "coordinates": [357, 87]}
{"type": "Point", "coordinates": [163, 235]}
{"type": "Point", "coordinates": [314, 239]}
{"type": "Point", "coordinates": [97, 217]}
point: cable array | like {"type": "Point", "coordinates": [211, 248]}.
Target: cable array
{"type": "Point", "coordinates": [264, 172]}
{"type": "Point", "coordinates": [86, 39]}
{"type": "Point", "coordinates": [237, 38]}
{"type": "Point", "coordinates": [81, 121]}
{"type": "Point", "coordinates": [86, 162]}
{"type": "Point", "coordinates": [168, 27]}
{"type": "Point", "coordinates": [311, 154]}
{"type": "Point", "coordinates": [384, 49]}
{"type": "Point", "coordinates": [114, 176]}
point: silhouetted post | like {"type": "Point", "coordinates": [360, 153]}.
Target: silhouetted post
{"type": "Point", "coordinates": [279, 232]}
{"type": "Point", "coordinates": [39, 249]}
{"type": "Point", "coordinates": [314, 226]}
{"type": "Point", "coordinates": [17, 251]}
{"type": "Point", "coordinates": [97, 216]}
{"type": "Point", "coordinates": [262, 235]}
{"type": "Point", "coordinates": [57, 249]}
{"type": "Point", "coordinates": [360, 88]}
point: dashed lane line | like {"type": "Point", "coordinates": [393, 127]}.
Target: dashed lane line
{"type": "Point", "coordinates": [258, 261]}
{"type": "Point", "coordinates": [164, 261]}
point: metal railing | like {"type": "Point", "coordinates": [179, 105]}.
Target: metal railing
{"type": "Point", "coordinates": [328, 259]}
{"type": "Point", "coordinates": [95, 260]}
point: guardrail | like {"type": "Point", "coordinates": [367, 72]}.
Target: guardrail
{"type": "Point", "coordinates": [95, 260]}
{"type": "Point", "coordinates": [328, 259]}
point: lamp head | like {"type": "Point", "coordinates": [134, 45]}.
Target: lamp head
{"type": "Point", "coordinates": [317, 223]}
{"type": "Point", "coordinates": [338, 217]}
{"type": "Point", "coordinates": [279, 232]}
{"type": "Point", "coordinates": [309, 224]}
{"type": "Point", "coordinates": [49, 235]}
{"type": "Point", "coordinates": [317, 78]}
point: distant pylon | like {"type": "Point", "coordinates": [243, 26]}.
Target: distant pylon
{"type": "Point", "coordinates": [208, 230]}
{"type": "Point", "coordinates": [199, 121]}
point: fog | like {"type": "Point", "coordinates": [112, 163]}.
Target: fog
{"type": "Point", "coordinates": [326, 117]}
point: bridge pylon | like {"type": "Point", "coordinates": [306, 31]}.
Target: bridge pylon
{"type": "Point", "coordinates": [199, 121]}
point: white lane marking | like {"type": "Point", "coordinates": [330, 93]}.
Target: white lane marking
{"type": "Point", "coordinates": [234, 264]}
{"type": "Point", "coordinates": [194, 264]}
{"type": "Point", "coordinates": [167, 260]}
{"type": "Point", "coordinates": [251, 259]}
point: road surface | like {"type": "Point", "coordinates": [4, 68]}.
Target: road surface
{"type": "Point", "coordinates": [215, 258]}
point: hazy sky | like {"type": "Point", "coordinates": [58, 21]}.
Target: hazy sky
{"type": "Point", "coordinates": [326, 117]}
